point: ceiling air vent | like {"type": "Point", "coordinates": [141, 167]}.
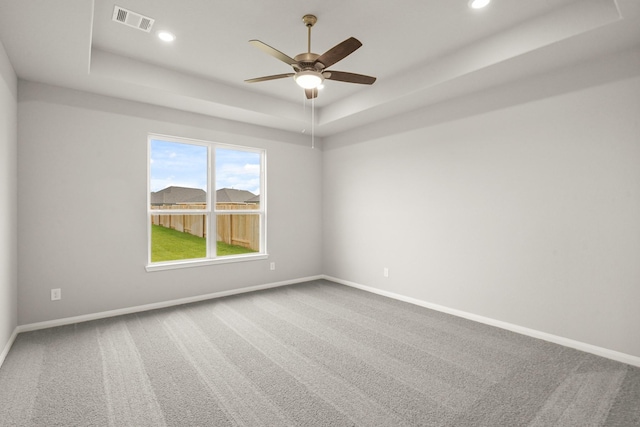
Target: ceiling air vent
{"type": "Point", "coordinates": [132, 19]}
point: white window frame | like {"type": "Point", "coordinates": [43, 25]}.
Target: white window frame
{"type": "Point", "coordinates": [211, 212]}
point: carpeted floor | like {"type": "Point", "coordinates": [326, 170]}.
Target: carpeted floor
{"type": "Point", "coordinates": [314, 354]}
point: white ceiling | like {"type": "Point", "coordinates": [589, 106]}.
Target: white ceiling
{"type": "Point", "coordinates": [422, 52]}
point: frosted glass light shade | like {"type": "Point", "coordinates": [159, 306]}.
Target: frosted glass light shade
{"type": "Point", "coordinates": [309, 79]}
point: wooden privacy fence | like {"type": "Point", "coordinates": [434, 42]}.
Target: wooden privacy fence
{"type": "Point", "coordinates": [238, 229]}
{"type": "Point", "coordinates": [233, 229]}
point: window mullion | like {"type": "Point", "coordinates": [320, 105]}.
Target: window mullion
{"type": "Point", "coordinates": [211, 200]}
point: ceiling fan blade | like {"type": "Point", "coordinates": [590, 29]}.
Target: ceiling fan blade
{"type": "Point", "coordinates": [265, 78]}
{"type": "Point", "coordinates": [342, 76]}
{"type": "Point", "coordinates": [273, 52]}
{"type": "Point", "coordinates": [311, 93]}
{"type": "Point", "coordinates": [339, 52]}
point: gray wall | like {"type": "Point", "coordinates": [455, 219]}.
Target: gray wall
{"type": "Point", "coordinates": [82, 176]}
{"type": "Point", "coordinates": [520, 204]}
{"type": "Point", "coordinates": [8, 199]}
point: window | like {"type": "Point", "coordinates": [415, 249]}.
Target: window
{"type": "Point", "coordinates": [200, 189]}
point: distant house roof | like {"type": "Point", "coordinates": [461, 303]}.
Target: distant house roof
{"type": "Point", "coordinates": [177, 195]}
{"type": "Point", "coordinates": [254, 199]}
{"type": "Point", "coordinates": [231, 195]}
{"type": "Point", "coordinates": [180, 195]}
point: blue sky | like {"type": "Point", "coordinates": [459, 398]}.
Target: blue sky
{"type": "Point", "coordinates": [185, 165]}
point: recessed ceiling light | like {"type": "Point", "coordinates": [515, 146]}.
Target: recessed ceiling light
{"type": "Point", "coordinates": [166, 36]}
{"type": "Point", "coordinates": [478, 4]}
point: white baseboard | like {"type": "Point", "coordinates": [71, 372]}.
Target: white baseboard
{"type": "Point", "coordinates": [7, 347]}
{"type": "Point", "coordinates": [578, 345]}
{"type": "Point", "coordinates": [147, 307]}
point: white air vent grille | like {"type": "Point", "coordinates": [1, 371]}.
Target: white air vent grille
{"type": "Point", "coordinates": [132, 19]}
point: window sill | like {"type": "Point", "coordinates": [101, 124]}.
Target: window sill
{"type": "Point", "coordinates": [172, 265]}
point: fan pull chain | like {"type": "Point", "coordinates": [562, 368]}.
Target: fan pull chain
{"type": "Point", "coordinates": [313, 122]}
{"type": "Point", "coordinates": [313, 118]}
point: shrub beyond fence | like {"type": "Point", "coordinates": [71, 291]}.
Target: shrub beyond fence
{"type": "Point", "coordinates": [233, 229]}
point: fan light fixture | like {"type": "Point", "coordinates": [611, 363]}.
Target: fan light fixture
{"type": "Point", "coordinates": [308, 79]}
{"type": "Point", "coordinates": [311, 69]}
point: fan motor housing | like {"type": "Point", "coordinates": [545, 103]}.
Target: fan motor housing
{"type": "Point", "coordinates": [307, 61]}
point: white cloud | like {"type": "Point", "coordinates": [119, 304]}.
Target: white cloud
{"type": "Point", "coordinates": [252, 169]}
{"type": "Point", "coordinates": [239, 176]}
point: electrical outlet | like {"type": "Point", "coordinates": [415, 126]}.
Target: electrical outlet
{"type": "Point", "coordinates": [272, 266]}
{"type": "Point", "coordinates": [385, 272]}
{"type": "Point", "coordinates": [56, 294]}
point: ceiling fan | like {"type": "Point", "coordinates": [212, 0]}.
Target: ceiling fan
{"type": "Point", "coordinates": [311, 68]}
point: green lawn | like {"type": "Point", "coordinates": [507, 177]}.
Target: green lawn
{"type": "Point", "coordinates": [172, 245]}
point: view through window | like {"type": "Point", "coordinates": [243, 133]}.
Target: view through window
{"type": "Point", "coordinates": [184, 213]}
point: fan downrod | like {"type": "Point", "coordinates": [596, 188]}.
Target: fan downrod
{"type": "Point", "coordinates": [309, 21]}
